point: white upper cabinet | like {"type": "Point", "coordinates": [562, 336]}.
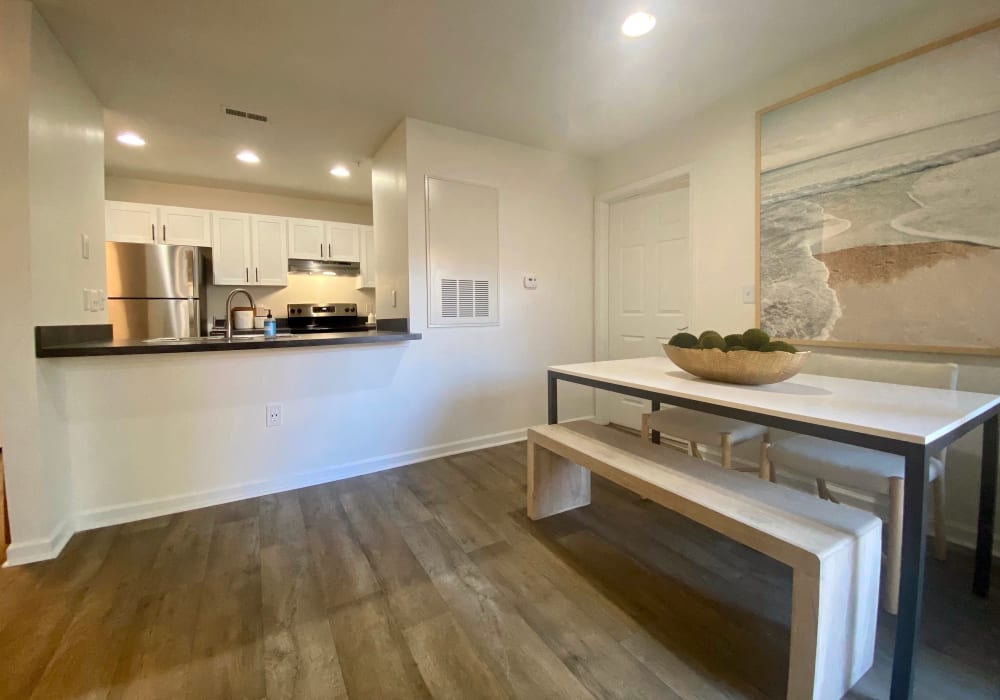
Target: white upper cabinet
{"type": "Point", "coordinates": [127, 222]}
{"type": "Point", "coordinates": [309, 239]}
{"type": "Point", "coordinates": [342, 242]}
{"type": "Point", "coordinates": [366, 235]}
{"type": "Point", "coordinates": [269, 250]}
{"type": "Point", "coordinates": [231, 256]}
{"type": "Point", "coordinates": [306, 239]}
{"type": "Point", "coordinates": [184, 226]}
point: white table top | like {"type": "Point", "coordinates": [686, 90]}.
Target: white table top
{"type": "Point", "coordinates": [907, 413]}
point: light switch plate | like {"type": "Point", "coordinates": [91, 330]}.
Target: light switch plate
{"type": "Point", "coordinates": [748, 294]}
{"type": "Point", "coordinates": [530, 282]}
{"type": "Point", "coordinates": [85, 246]}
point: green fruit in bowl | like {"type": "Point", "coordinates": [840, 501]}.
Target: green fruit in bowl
{"type": "Point", "coordinates": [711, 340]}
{"type": "Point", "coordinates": [755, 339]}
{"type": "Point", "coordinates": [683, 340]}
{"type": "Point", "coordinates": [734, 340]}
{"type": "Point", "coordinates": [780, 346]}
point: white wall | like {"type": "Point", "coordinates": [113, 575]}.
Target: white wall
{"type": "Point", "coordinates": [52, 192]}
{"type": "Point", "coordinates": [390, 212]}
{"type": "Point", "coordinates": [151, 434]}
{"type": "Point", "coordinates": [717, 147]}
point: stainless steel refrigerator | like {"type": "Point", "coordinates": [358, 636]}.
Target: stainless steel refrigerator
{"type": "Point", "coordinates": [153, 290]}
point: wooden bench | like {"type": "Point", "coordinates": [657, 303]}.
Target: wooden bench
{"type": "Point", "coordinates": [834, 551]}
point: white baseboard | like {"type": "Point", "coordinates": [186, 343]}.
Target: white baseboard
{"type": "Point", "coordinates": [49, 548]}
{"type": "Point", "coordinates": [41, 548]}
{"type": "Point", "coordinates": [140, 510]}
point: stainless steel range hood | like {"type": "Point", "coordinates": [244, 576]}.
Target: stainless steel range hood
{"type": "Point", "coordinates": [323, 267]}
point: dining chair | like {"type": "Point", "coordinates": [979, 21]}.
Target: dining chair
{"type": "Point", "coordinates": [696, 428]}
{"type": "Point", "coordinates": [870, 470]}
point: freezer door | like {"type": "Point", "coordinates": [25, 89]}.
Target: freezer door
{"type": "Point", "coordinates": [141, 270]}
{"type": "Point", "coordinates": [138, 319]}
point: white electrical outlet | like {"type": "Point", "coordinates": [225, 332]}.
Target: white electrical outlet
{"type": "Point", "coordinates": [273, 415]}
{"type": "Point", "coordinates": [86, 300]}
{"type": "Point", "coordinates": [102, 299]}
{"type": "Point", "coordinates": [530, 282]}
{"type": "Point", "coordinates": [748, 294]}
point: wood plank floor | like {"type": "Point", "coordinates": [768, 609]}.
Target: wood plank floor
{"type": "Point", "coordinates": [429, 581]}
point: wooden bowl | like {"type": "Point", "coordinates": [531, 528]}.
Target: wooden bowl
{"type": "Point", "coordinates": [739, 366]}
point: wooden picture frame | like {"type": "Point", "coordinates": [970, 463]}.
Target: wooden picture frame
{"type": "Point", "coordinates": [922, 50]}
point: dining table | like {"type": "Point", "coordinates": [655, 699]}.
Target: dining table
{"type": "Point", "coordinates": [913, 422]}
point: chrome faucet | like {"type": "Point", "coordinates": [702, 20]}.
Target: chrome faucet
{"type": "Point", "coordinates": [229, 308]}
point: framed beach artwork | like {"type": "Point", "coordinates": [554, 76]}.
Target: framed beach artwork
{"type": "Point", "coordinates": [879, 204]}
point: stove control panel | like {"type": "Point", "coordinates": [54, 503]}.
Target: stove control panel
{"type": "Point", "coordinates": [321, 310]}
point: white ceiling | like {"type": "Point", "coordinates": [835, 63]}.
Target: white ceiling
{"type": "Point", "coordinates": [335, 76]}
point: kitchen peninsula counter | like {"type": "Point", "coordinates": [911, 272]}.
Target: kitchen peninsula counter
{"type": "Point", "coordinates": [88, 343]}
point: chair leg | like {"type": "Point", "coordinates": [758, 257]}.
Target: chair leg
{"type": "Point", "coordinates": [890, 594]}
{"type": "Point", "coordinates": [765, 464]}
{"type": "Point", "coordinates": [940, 537]}
{"type": "Point", "coordinates": [727, 451]}
{"type": "Point", "coordinates": [645, 428]}
{"type": "Point", "coordinates": [695, 452]}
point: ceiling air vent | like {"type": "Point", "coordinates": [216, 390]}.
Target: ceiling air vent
{"type": "Point", "coordinates": [245, 115]}
{"type": "Point", "coordinates": [467, 299]}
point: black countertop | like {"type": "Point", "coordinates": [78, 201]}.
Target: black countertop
{"type": "Point", "coordinates": [93, 348]}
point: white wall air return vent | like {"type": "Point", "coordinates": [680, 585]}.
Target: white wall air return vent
{"type": "Point", "coordinates": [462, 253]}
{"type": "Point", "coordinates": [465, 299]}
{"type": "Point", "coordinates": [243, 114]}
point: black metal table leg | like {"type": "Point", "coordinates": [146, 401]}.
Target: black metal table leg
{"type": "Point", "coordinates": [987, 507]}
{"type": "Point", "coordinates": [911, 582]}
{"type": "Point", "coordinates": [553, 400]}
{"type": "Point", "coordinates": [655, 433]}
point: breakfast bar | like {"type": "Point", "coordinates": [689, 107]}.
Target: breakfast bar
{"type": "Point", "coordinates": [914, 422]}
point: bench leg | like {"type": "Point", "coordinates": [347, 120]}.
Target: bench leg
{"type": "Point", "coordinates": [555, 484]}
{"type": "Point", "coordinates": [833, 621]}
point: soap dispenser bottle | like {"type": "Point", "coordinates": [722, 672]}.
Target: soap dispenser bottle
{"type": "Point", "coordinates": [270, 326]}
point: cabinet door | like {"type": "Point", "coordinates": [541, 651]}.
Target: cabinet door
{"type": "Point", "coordinates": [183, 226]}
{"type": "Point", "coordinates": [127, 222]}
{"type": "Point", "coordinates": [366, 280]}
{"type": "Point", "coordinates": [269, 241]}
{"type": "Point", "coordinates": [306, 239]}
{"type": "Point", "coordinates": [230, 248]}
{"type": "Point", "coordinates": [342, 242]}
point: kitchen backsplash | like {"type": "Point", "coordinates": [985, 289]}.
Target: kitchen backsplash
{"type": "Point", "coordinates": [300, 289]}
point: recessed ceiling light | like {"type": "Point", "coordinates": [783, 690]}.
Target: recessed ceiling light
{"type": "Point", "coordinates": [130, 138]}
{"type": "Point", "coordinates": [340, 171]}
{"type": "Point", "coordinates": [248, 157]}
{"type": "Point", "coordinates": [638, 23]}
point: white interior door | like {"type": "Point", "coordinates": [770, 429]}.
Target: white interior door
{"type": "Point", "coordinates": [649, 284]}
